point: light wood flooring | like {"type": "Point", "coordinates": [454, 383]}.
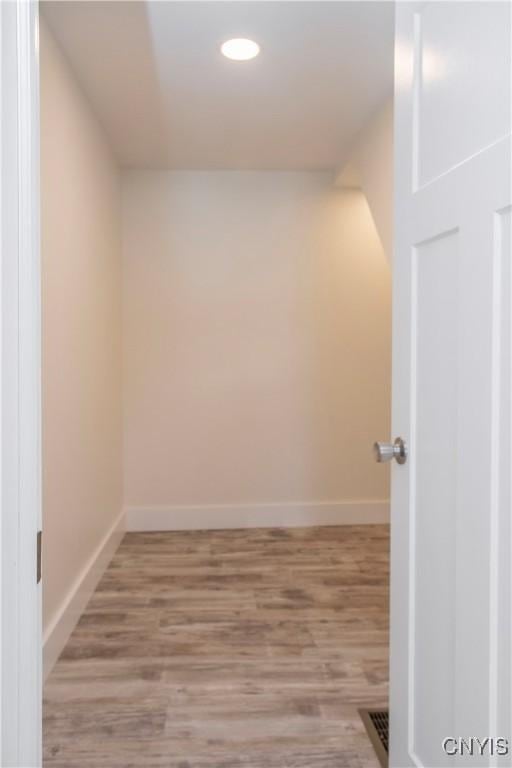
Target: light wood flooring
{"type": "Point", "coordinates": [226, 649]}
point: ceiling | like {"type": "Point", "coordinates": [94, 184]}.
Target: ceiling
{"type": "Point", "coordinates": [167, 98]}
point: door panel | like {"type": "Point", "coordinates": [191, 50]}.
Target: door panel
{"type": "Point", "coordinates": [460, 48]}
{"type": "Point", "coordinates": [501, 672]}
{"type": "Point", "coordinates": [451, 532]}
{"type": "Point", "coordinates": [434, 407]}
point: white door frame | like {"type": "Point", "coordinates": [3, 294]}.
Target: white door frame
{"type": "Point", "coordinates": [20, 400]}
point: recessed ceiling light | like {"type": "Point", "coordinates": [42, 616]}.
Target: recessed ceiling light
{"type": "Point", "coordinates": [240, 49]}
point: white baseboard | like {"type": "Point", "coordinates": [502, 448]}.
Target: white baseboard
{"type": "Point", "coordinates": [60, 628]}
{"type": "Point", "coordinates": [279, 515]}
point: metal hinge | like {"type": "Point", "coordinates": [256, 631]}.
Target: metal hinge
{"type": "Point", "coordinates": [39, 554]}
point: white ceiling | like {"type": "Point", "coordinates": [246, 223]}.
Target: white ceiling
{"type": "Point", "coordinates": [168, 98]}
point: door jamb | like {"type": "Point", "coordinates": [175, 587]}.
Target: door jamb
{"type": "Point", "coordinates": [20, 387]}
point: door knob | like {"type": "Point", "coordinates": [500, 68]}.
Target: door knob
{"type": "Point", "coordinates": [387, 451]}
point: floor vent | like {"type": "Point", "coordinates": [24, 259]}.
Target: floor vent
{"type": "Point", "coordinates": [376, 722]}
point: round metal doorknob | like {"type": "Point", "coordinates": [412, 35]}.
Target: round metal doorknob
{"type": "Point", "coordinates": [387, 451]}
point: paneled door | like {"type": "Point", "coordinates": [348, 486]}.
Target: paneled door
{"type": "Point", "coordinates": [452, 389]}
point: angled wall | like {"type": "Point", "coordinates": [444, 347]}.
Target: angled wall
{"type": "Point", "coordinates": [369, 166]}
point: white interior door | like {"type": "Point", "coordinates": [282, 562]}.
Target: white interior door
{"type": "Point", "coordinates": [451, 503]}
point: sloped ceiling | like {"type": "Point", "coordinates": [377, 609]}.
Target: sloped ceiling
{"type": "Point", "coordinates": [167, 98]}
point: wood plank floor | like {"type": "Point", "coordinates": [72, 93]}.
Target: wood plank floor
{"type": "Point", "coordinates": [226, 649]}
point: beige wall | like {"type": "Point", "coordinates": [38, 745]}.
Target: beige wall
{"type": "Point", "coordinates": [81, 277]}
{"type": "Point", "coordinates": [257, 340]}
{"type": "Point", "coordinates": [370, 167]}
